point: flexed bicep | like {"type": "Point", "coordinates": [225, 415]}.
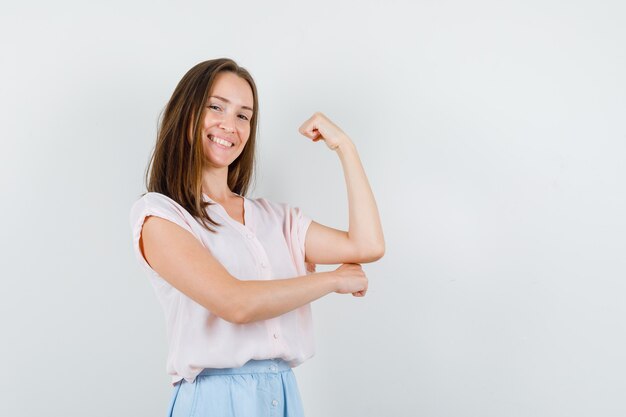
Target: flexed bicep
{"type": "Point", "coordinates": [327, 245]}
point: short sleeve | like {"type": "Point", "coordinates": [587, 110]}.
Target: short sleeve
{"type": "Point", "coordinates": [299, 223]}
{"type": "Point", "coordinates": [155, 204]}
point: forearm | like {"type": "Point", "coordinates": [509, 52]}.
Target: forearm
{"type": "Point", "coordinates": [260, 299]}
{"type": "Point", "coordinates": [364, 228]}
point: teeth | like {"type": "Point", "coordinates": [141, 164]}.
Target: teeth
{"type": "Point", "coordinates": [220, 141]}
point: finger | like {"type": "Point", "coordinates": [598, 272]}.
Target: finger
{"type": "Point", "coordinates": [304, 127]}
{"type": "Point", "coordinates": [307, 132]}
{"type": "Point", "coordinates": [309, 128]}
{"type": "Point", "coordinates": [316, 135]}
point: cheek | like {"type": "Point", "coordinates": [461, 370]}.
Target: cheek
{"type": "Point", "coordinates": [207, 122]}
{"type": "Point", "coordinates": [206, 147]}
{"type": "Point", "coordinates": [244, 132]}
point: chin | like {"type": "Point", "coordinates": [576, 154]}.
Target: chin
{"type": "Point", "coordinates": [213, 163]}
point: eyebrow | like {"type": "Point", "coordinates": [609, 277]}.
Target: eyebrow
{"type": "Point", "coordinates": [228, 101]}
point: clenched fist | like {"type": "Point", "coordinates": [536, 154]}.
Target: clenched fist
{"type": "Point", "coordinates": [319, 127]}
{"type": "Point", "coordinates": [351, 279]}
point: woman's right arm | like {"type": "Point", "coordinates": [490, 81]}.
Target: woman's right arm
{"type": "Point", "coordinates": [178, 257]}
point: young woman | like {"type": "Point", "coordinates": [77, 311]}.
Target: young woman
{"type": "Point", "coordinates": [229, 271]}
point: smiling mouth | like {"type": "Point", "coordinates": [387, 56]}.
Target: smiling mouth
{"type": "Point", "coordinates": [222, 142]}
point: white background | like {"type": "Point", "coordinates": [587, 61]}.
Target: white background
{"type": "Point", "coordinates": [493, 134]}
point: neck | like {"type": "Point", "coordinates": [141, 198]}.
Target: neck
{"type": "Point", "coordinates": [215, 184]}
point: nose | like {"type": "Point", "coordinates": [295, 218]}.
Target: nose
{"type": "Point", "coordinates": [227, 128]}
{"type": "Point", "coordinates": [227, 125]}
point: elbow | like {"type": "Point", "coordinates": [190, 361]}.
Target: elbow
{"type": "Point", "coordinates": [233, 305]}
{"type": "Point", "coordinates": [380, 251]}
{"type": "Point", "coordinates": [377, 253]}
{"type": "Point", "coordinates": [240, 316]}
{"type": "Point", "coordinates": [372, 253]}
{"type": "Point", "coordinates": [234, 315]}
{"type": "Point", "coordinates": [241, 311]}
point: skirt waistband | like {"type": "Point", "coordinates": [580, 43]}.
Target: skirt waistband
{"type": "Point", "coordinates": [253, 366]}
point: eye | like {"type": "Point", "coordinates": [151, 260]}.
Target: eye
{"type": "Point", "coordinates": [244, 116]}
{"type": "Point", "coordinates": [213, 106]}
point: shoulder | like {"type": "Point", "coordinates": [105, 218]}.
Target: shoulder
{"type": "Point", "coordinates": [156, 203]}
{"type": "Point", "coordinates": [279, 210]}
{"type": "Point", "coordinates": [155, 200]}
{"type": "Point", "coordinates": [269, 207]}
{"type": "Point", "coordinates": [266, 204]}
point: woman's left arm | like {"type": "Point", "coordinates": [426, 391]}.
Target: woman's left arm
{"type": "Point", "coordinates": [364, 241]}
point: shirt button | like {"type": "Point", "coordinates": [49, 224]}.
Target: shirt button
{"type": "Point", "coordinates": [274, 403]}
{"type": "Point", "coordinates": [273, 368]}
{"type": "Point", "coordinates": [264, 264]}
{"type": "Point", "coordinates": [249, 236]}
{"type": "Point", "coordinates": [275, 335]}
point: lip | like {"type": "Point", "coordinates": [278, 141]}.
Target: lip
{"type": "Point", "coordinates": [223, 138]}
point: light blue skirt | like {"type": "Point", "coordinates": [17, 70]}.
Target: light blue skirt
{"type": "Point", "coordinates": [259, 388]}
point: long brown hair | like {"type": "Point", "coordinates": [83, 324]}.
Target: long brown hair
{"type": "Point", "coordinates": [175, 168]}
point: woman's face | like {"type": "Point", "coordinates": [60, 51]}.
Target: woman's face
{"type": "Point", "coordinates": [226, 117]}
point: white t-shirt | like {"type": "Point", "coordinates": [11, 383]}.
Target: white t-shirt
{"type": "Point", "coordinates": [269, 246]}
